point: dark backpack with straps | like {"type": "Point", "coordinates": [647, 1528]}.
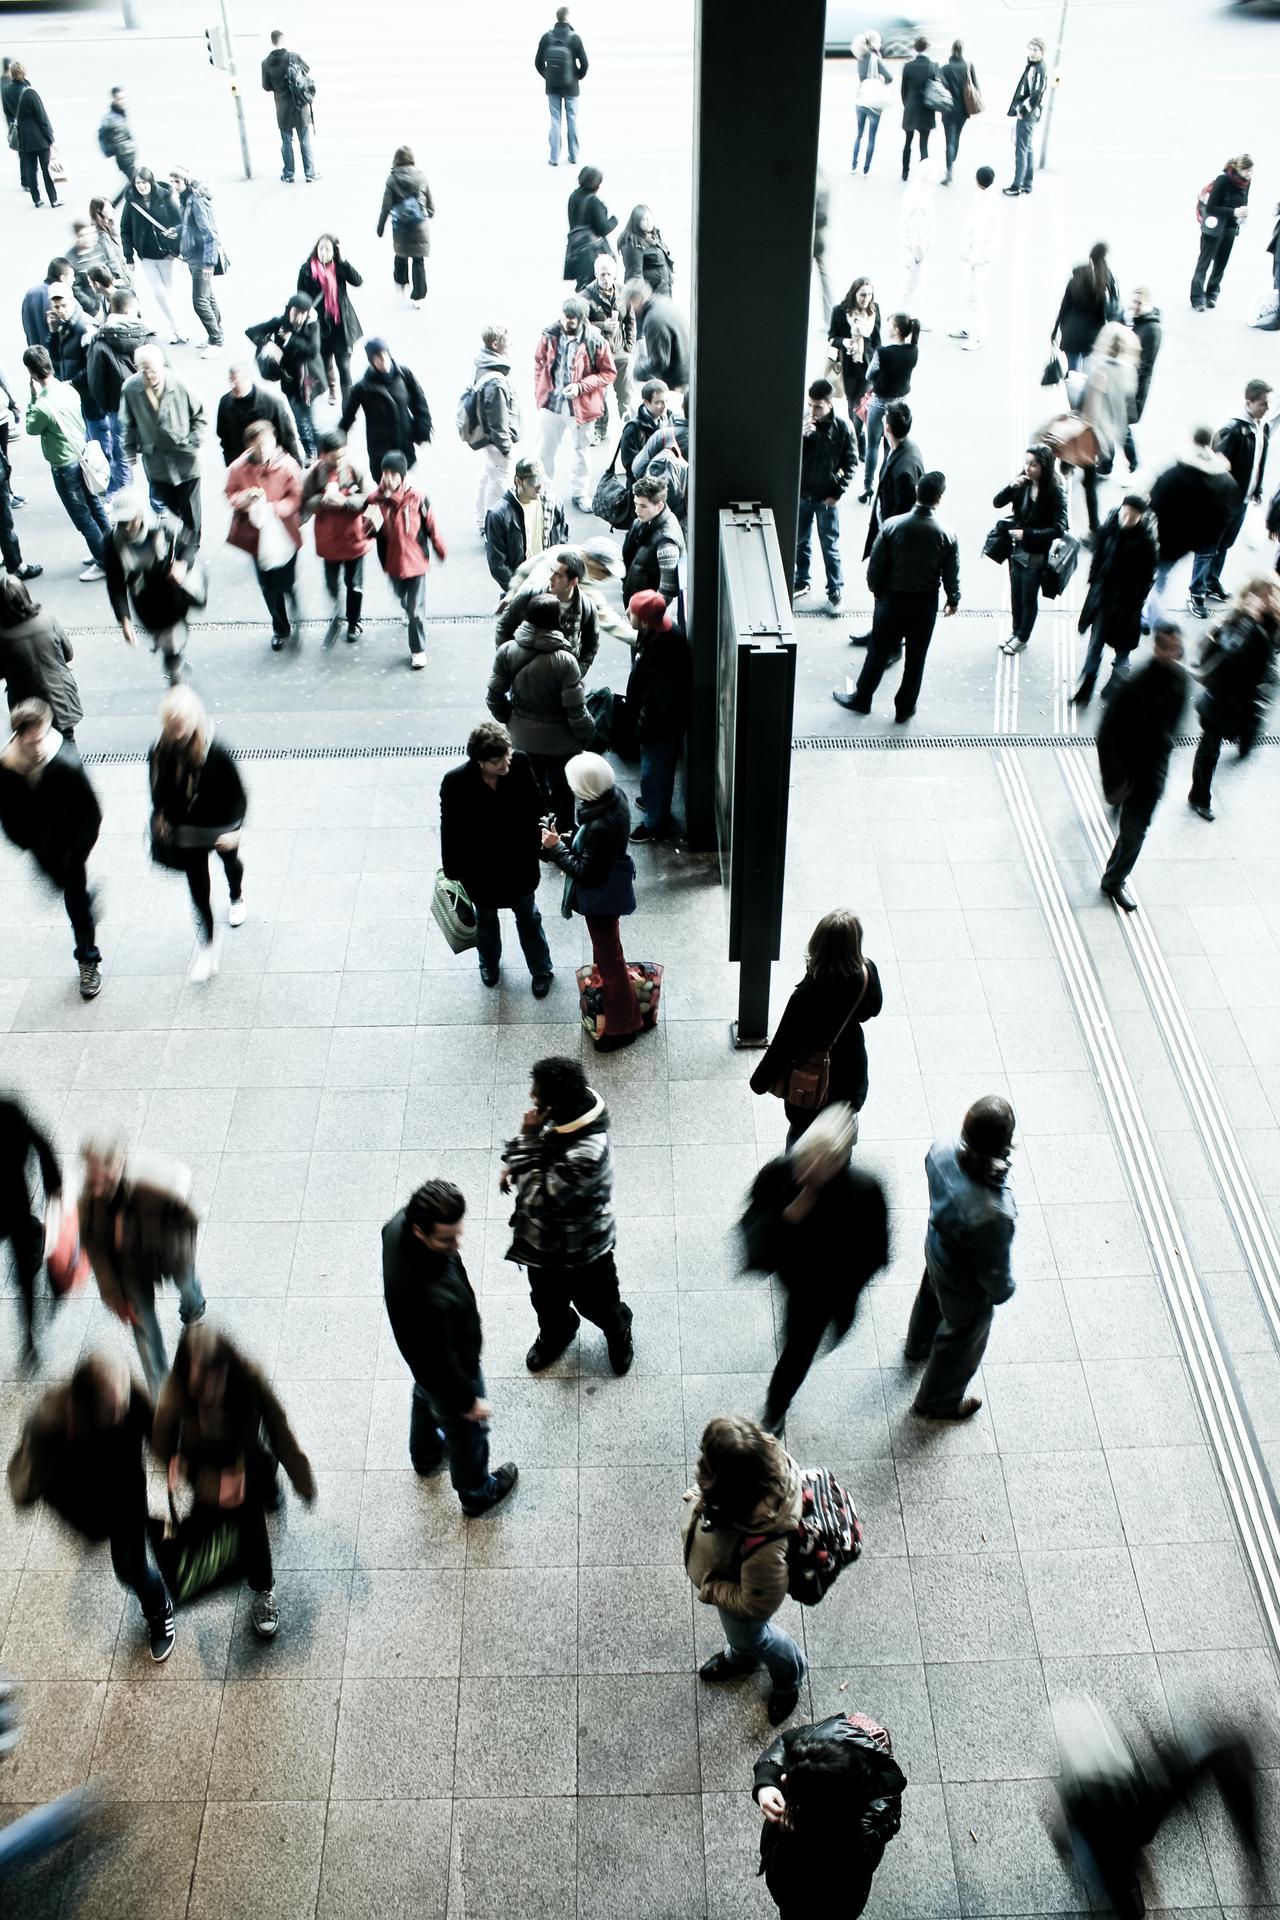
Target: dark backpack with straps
{"type": "Point", "coordinates": [299, 87]}
{"type": "Point", "coordinates": [826, 1540]}
{"type": "Point", "coordinates": [558, 69]}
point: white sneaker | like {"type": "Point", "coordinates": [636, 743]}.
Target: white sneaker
{"type": "Point", "coordinates": [236, 912]}
{"type": "Point", "coordinates": [205, 963]}
{"type": "Point", "coordinates": [417, 660]}
{"type": "Point", "coordinates": [91, 571]}
{"type": "Point", "coordinates": [969, 344]}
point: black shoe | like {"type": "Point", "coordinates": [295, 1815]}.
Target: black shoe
{"type": "Point", "coordinates": [491, 975]}
{"type": "Point", "coordinates": [863, 499]}
{"type": "Point", "coordinates": [542, 985]}
{"type": "Point", "coordinates": [353, 632]}
{"type": "Point", "coordinates": [622, 1350]}
{"type": "Point", "coordinates": [965, 1411]}
{"type": "Point", "coordinates": [29, 570]}
{"type": "Point", "coordinates": [1211, 300]}
{"type": "Point", "coordinates": [851, 702]}
{"type": "Point", "coordinates": [162, 1633]}
{"type": "Point", "coordinates": [544, 1353]}
{"type": "Point", "coordinates": [643, 834]}
{"type": "Point", "coordinates": [717, 1669]}
{"type": "Point", "coordinates": [504, 1479]}
{"type": "Point", "coordinates": [859, 639]}
{"type": "Point", "coordinates": [1122, 897]}
{"type": "Point", "coordinates": [1201, 807]}
{"type": "Point", "coordinates": [900, 719]}
{"type": "Point", "coordinates": [782, 1704]}
{"type": "Point", "coordinates": [1214, 591]}
{"type": "Point", "coordinates": [277, 642]}
{"type": "Point", "coordinates": [1011, 193]}
{"type": "Point", "coordinates": [610, 1042]}
{"type": "Point", "coordinates": [1083, 694]}
{"type": "Point", "coordinates": [1197, 306]}
{"type": "Point", "coordinates": [1196, 605]}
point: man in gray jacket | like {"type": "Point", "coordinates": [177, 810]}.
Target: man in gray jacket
{"type": "Point", "coordinates": [968, 1269]}
{"type": "Point", "coordinates": [164, 422]}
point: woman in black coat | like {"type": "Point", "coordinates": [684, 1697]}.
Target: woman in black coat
{"type": "Point", "coordinates": [35, 136]}
{"type": "Point", "coordinates": [326, 276]}
{"type": "Point", "coordinates": [645, 254]}
{"type": "Point", "coordinates": [838, 1777]}
{"type": "Point", "coordinates": [1238, 673]}
{"type": "Point", "coordinates": [1090, 299]}
{"type": "Point", "coordinates": [1039, 518]}
{"type": "Point", "coordinates": [490, 832]}
{"type": "Point", "coordinates": [825, 1014]}
{"type": "Point", "coordinates": [35, 657]}
{"type": "Point", "coordinates": [603, 887]}
{"type": "Point", "coordinates": [1120, 577]}
{"type": "Point", "coordinates": [917, 117]}
{"type": "Point", "coordinates": [198, 804]}
{"type": "Point", "coordinates": [590, 224]}
{"type": "Point", "coordinates": [957, 75]}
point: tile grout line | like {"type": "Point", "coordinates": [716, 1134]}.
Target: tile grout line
{"type": "Point", "coordinates": [1220, 1405]}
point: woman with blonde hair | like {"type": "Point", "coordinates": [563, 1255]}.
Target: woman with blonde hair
{"type": "Point", "coordinates": [820, 1033]}
{"type": "Point", "coordinates": [198, 805]}
{"type": "Point", "coordinates": [875, 88]}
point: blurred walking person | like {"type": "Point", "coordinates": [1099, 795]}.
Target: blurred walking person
{"type": "Point", "coordinates": [1194, 500]}
{"type": "Point", "coordinates": [407, 203]}
{"type": "Point", "coordinates": [436, 1325]}
{"type": "Point", "coordinates": [838, 1776]}
{"type": "Point", "coordinates": [264, 487]}
{"type": "Point", "coordinates": [590, 224]}
{"type": "Point", "coordinates": [823, 1227]}
{"type": "Point", "coordinates": [1089, 299]}
{"type": "Point", "coordinates": [115, 135]}
{"type": "Point", "coordinates": [397, 418]}
{"type": "Point", "coordinates": [746, 1486]}
{"type": "Point", "coordinates": [496, 412]}
{"type": "Point", "coordinates": [406, 539]}
{"type": "Point", "coordinates": [1222, 215]}
{"type": "Point", "coordinates": [603, 891]}
{"type": "Point", "coordinates": [36, 656]}
{"type": "Point", "coordinates": [979, 247]}
{"type": "Point", "coordinates": [222, 1430]}
{"type": "Point", "coordinates": [968, 1259]}
{"type": "Point", "coordinates": [1120, 577]}
{"type": "Point", "coordinates": [326, 274]}
{"type": "Point", "coordinates": [198, 805]}
{"type": "Point", "coordinates": [1145, 320]}
{"type": "Point", "coordinates": [961, 81]}
{"type": "Point", "coordinates": [490, 840]}
{"type": "Point", "coordinates": [1111, 388]}
{"type": "Point", "coordinates": [1237, 671]}
{"type": "Point", "coordinates": [335, 494]}
{"type": "Point", "coordinates": [536, 689]}
{"type": "Point", "coordinates": [83, 1453]}
{"type": "Point", "coordinates": [559, 1168]}
{"type": "Point", "coordinates": [875, 90]}
{"type": "Point", "coordinates": [1039, 518]}
{"type": "Point", "coordinates": [824, 1016]}
{"type": "Point", "coordinates": [20, 1140]}
{"type": "Point", "coordinates": [200, 250]}
{"type": "Point", "coordinates": [49, 809]}
{"type": "Point", "coordinates": [1143, 719]}
{"type": "Point", "coordinates": [153, 575]}
{"type": "Point", "coordinates": [162, 422]}
{"type": "Point", "coordinates": [138, 1228]}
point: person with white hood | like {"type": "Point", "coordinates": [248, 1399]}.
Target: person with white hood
{"type": "Point", "coordinates": [603, 887]}
{"type": "Point", "coordinates": [978, 249]}
{"type": "Point", "coordinates": [153, 574]}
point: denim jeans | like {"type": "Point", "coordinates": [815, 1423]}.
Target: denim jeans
{"type": "Point", "coordinates": [1206, 570]}
{"type": "Point", "coordinates": [659, 760]}
{"type": "Point", "coordinates": [1024, 166]}
{"type": "Point", "coordinates": [954, 1351]}
{"type": "Point", "coordinates": [952, 128]}
{"type": "Point", "coordinates": [875, 430]}
{"type": "Point", "coordinates": [305, 424]}
{"type": "Point", "coordinates": [828, 519]}
{"type": "Point", "coordinates": [868, 122]}
{"type": "Point", "coordinates": [84, 509]}
{"type": "Point", "coordinates": [205, 305]}
{"type": "Point", "coordinates": [436, 1434]}
{"type": "Point", "coordinates": [303, 130]}
{"type": "Point", "coordinates": [758, 1643]}
{"type": "Point", "coordinates": [73, 883]}
{"type": "Point", "coordinates": [106, 431]}
{"type": "Point", "coordinates": [529, 928]}
{"type": "Point", "coordinates": [569, 102]}
{"type": "Point", "coordinates": [134, 1570]}
{"type": "Point", "coordinates": [409, 594]}
{"type": "Point", "coordinates": [147, 1334]}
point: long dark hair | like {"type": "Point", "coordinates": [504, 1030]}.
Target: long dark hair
{"type": "Point", "coordinates": [16, 604]}
{"type": "Point", "coordinates": [851, 298]}
{"type": "Point", "coordinates": [835, 947]}
{"type": "Point", "coordinates": [738, 1465]}
{"type": "Point", "coordinates": [908, 327]}
{"type": "Point", "coordinates": [633, 232]}
{"type": "Point", "coordinates": [332, 238]}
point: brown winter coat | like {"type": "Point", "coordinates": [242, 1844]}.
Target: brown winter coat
{"type": "Point", "coordinates": [202, 1435]}
{"type": "Point", "coordinates": [725, 1564]}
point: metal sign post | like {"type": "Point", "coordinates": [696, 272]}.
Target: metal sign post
{"type": "Point", "coordinates": [222, 56]}
{"type": "Point", "coordinates": [1054, 78]}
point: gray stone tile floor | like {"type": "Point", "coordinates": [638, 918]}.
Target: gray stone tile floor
{"type": "Point", "coordinates": [479, 1719]}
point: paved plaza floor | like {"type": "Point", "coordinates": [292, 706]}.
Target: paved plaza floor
{"type": "Point", "coordinates": [498, 1717]}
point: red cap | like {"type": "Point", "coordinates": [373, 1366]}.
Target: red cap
{"type": "Point", "coordinates": [650, 609]}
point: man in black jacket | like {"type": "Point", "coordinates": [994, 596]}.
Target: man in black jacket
{"type": "Point", "coordinates": [436, 1326]}
{"type": "Point", "coordinates": [247, 400]}
{"type": "Point", "coordinates": [49, 809]}
{"type": "Point", "coordinates": [900, 473]}
{"type": "Point", "coordinates": [1223, 215]}
{"type": "Point", "coordinates": [527, 520]}
{"type": "Point", "coordinates": [913, 556]}
{"type": "Point", "coordinates": [115, 138]}
{"type": "Point", "coordinates": [290, 342]}
{"type": "Point", "coordinates": [20, 1137]}
{"type": "Point", "coordinates": [490, 837]}
{"type": "Point", "coordinates": [649, 417]}
{"type": "Point", "coordinates": [1243, 443]}
{"type": "Point", "coordinates": [1135, 740]}
{"type": "Point", "coordinates": [827, 462]}
{"type": "Point", "coordinates": [1025, 109]}
{"type": "Point", "coordinates": [111, 363]}
{"type": "Point", "coordinates": [397, 418]}
{"type": "Point", "coordinates": [1120, 576]}
{"type": "Point", "coordinates": [561, 60]}
{"type": "Point", "coordinates": [1193, 500]}
{"type": "Point", "coordinates": [1145, 321]}
{"type": "Point", "coordinates": [657, 709]}
{"type": "Point", "coordinates": [288, 77]}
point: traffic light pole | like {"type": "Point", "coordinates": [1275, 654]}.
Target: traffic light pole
{"type": "Point", "coordinates": [235, 90]}
{"type": "Point", "coordinates": [1053, 87]}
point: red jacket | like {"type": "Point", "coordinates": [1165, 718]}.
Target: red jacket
{"type": "Point", "coordinates": [591, 369]}
{"type": "Point", "coordinates": [342, 533]}
{"type": "Point", "coordinates": [406, 515]}
{"type": "Point", "coordinates": [280, 478]}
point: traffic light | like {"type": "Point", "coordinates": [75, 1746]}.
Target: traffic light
{"type": "Point", "coordinates": [216, 42]}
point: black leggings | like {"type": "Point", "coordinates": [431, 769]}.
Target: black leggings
{"type": "Point", "coordinates": [401, 271]}
{"type": "Point", "coordinates": [338, 360]}
{"type": "Point", "coordinates": [26, 1234]}
{"type": "Point", "coordinates": [196, 867]}
{"type": "Point", "coordinates": [28, 163]}
{"type": "Point", "coordinates": [1024, 595]}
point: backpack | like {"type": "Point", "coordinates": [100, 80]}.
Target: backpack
{"type": "Point", "coordinates": [472, 430]}
{"type": "Point", "coordinates": [1202, 203]}
{"type": "Point", "coordinates": [298, 84]}
{"type": "Point", "coordinates": [670, 464]}
{"type": "Point", "coordinates": [558, 70]}
{"type": "Point", "coordinates": [826, 1540]}
{"type": "Point", "coordinates": [105, 146]}
{"type": "Point", "coordinates": [408, 212]}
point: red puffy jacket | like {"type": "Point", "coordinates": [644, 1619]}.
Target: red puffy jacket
{"type": "Point", "coordinates": [408, 527]}
{"type": "Point", "coordinates": [591, 370]}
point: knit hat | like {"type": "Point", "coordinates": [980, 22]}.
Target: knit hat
{"type": "Point", "coordinates": [376, 346]}
{"type": "Point", "coordinates": [606, 554]}
{"type": "Point", "coordinates": [650, 609]}
{"type": "Point", "coordinates": [128, 505]}
{"type": "Point", "coordinates": [394, 462]}
{"type": "Point", "coordinates": [589, 775]}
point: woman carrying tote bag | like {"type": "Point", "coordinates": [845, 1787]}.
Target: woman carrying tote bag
{"type": "Point", "coordinates": [875, 90]}
{"type": "Point", "coordinates": [601, 887]}
{"type": "Point", "coordinates": [818, 1052]}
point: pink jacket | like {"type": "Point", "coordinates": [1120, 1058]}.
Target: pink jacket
{"type": "Point", "coordinates": [591, 369]}
{"type": "Point", "coordinates": [280, 478]}
{"type": "Point", "coordinates": [400, 550]}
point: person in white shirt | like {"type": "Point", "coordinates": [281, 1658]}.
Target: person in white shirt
{"type": "Point", "coordinates": [978, 249]}
{"type": "Point", "coordinates": [919, 229]}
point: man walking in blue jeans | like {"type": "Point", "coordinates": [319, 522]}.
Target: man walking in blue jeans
{"type": "Point", "coordinates": [436, 1325]}
{"type": "Point", "coordinates": [1025, 109]}
{"type": "Point", "coordinates": [561, 59]}
{"type": "Point", "coordinates": [827, 462]}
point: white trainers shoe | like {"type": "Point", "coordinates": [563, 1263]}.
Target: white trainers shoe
{"type": "Point", "coordinates": [236, 912]}
{"type": "Point", "coordinates": [91, 571]}
{"type": "Point", "coordinates": [205, 963]}
{"type": "Point", "coordinates": [418, 660]}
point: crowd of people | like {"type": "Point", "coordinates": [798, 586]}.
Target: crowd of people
{"type": "Point", "coordinates": [122, 433]}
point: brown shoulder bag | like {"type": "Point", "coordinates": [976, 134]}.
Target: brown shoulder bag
{"type": "Point", "coordinates": [807, 1080]}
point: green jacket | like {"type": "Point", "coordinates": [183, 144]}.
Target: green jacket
{"type": "Point", "coordinates": [54, 414]}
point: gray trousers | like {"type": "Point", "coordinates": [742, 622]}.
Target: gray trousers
{"type": "Point", "coordinates": [954, 1350]}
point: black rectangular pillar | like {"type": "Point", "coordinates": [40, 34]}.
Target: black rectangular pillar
{"type": "Point", "coordinates": [758, 94]}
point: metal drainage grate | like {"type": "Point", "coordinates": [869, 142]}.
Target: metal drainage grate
{"type": "Point", "coordinates": [382, 620]}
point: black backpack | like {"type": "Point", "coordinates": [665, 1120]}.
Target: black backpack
{"type": "Point", "coordinates": [298, 84]}
{"type": "Point", "coordinates": [558, 69]}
